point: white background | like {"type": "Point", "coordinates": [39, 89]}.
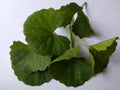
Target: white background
{"type": "Point", "coordinates": [104, 17]}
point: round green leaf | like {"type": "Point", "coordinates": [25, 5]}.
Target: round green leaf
{"type": "Point", "coordinates": [49, 45]}
{"type": "Point", "coordinates": [73, 72]}
{"type": "Point", "coordinates": [22, 57]}
{"type": "Point", "coordinates": [28, 66]}
{"type": "Point", "coordinates": [39, 30]}
{"type": "Point", "coordinates": [32, 78]}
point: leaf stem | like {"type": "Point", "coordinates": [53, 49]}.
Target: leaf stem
{"type": "Point", "coordinates": [80, 40]}
{"type": "Point", "coordinates": [84, 4]}
{"type": "Point", "coordinates": [71, 37]}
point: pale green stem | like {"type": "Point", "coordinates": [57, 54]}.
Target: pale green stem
{"type": "Point", "coordinates": [71, 37]}
{"type": "Point", "coordinates": [80, 40]}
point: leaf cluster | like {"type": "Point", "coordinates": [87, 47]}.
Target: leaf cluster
{"type": "Point", "coordinates": [48, 56]}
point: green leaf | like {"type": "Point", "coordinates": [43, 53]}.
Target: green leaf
{"type": "Point", "coordinates": [73, 72]}
{"type": "Point", "coordinates": [39, 31]}
{"type": "Point", "coordinates": [74, 7]}
{"type": "Point", "coordinates": [68, 12]}
{"type": "Point", "coordinates": [44, 20]}
{"type": "Point", "coordinates": [101, 53]}
{"type": "Point", "coordinates": [28, 66]}
{"type": "Point", "coordinates": [22, 57]}
{"type": "Point", "coordinates": [49, 45]}
{"type": "Point", "coordinates": [32, 78]}
{"type": "Point", "coordinates": [68, 54]}
{"type": "Point", "coordinates": [81, 26]}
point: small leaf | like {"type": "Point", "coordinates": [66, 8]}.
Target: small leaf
{"type": "Point", "coordinates": [101, 53]}
{"type": "Point", "coordinates": [39, 31]}
{"type": "Point", "coordinates": [73, 72]}
{"type": "Point", "coordinates": [28, 66]}
{"type": "Point", "coordinates": [68, 12]}
{"type": "Point", "coordinates": [81, 26]}
{"type": "Point", "coordinates": [68, 54]}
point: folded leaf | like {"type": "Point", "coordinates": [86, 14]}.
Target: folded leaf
{"type": "Point", "coordinates": [73, 72]}
{"type": "Point", "coordinates": [68, 12]}
{"type": "Point", "coordinates": [68, 54]}
{"type": "Point", "coordinates": [101, 52]}
{"type": "Point", "coordinates": [82, 27]}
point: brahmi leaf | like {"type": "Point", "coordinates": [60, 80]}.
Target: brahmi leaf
{"type": "Point", "coordinates": [101, 53]}
{"type": "Point", "coordinates": [68, 12]}
{"type": "Point", "coordinates": [44, 20]}
{"type": "Point", "coordinates": [28, 66]}
{"type": "Point", "coordinates": [68, 54]}
{"type": "Point", "coordinates": [81, 26]}
{"type": "Point", "coordinates": [48, 45]}
{"type": "Point", "coordinates": [23, 58]}
{"type": "Point", "coordinates": [32, 78]}
{"type": "Point", "coordinates": [74, 7]}
{"type": "Point", "coordinates": [39, 31]}
{"type": "Point", "coordinates": [73, 72]}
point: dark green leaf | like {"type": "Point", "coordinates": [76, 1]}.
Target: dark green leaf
{"type": "Point", "coordinates": [28, 66]}
{"type": "Point", "coordinates": [68, 54]}
{"type": "Point", "coordinates": [68, 12]}
{"type": "Point", "coordinates": [39, 30]}
{"type": "Point", "coordinates": [32, 78]}
{"type": "Point", "coordinates": [101, 52]}
{"type": "Point", "coordinates": [49, 45]}
{"type": "Point", "coordinates": [82, 27]}
{"type": "Point", "coordinates": [74, 7]}
{"type": "Point", "coordinates": [73, 72]}
{"type": "Point", "coordinates": [44, 20]}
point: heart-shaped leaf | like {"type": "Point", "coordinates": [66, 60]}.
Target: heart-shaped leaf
{"type": "Point", "coordinates": [73, 72]}
{"type": "Point", "coordinates": [101, 52]}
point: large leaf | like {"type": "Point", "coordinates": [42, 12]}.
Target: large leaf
{"type": "Point", "coordinates": [22, 57]}
{"type": "Point", "coordinates": [32, 78]}
{"type": "Point", "coordinates": [82, 27]}
{"type": "Point", "coordinates": [73, 72]}
{"type": "Point", "coordinates": [68, 54]}
{"type": "Point", "coordinates": [28, 66]}
{"type": "Point", "coordinates": [43, 20]}
{"type": "Point", "coordinates": [101, 52]}
{"type": "Point", "coordinates": [39, 30]}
